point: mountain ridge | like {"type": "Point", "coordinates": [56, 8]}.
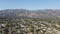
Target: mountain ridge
{"type": "Point", "coordinates": [46, 13]}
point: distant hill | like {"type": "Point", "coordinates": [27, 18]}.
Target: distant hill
{"type": "Point", "coordinates": [47, 13]}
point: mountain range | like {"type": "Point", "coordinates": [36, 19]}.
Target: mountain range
{"type": "Point", "coordinates": [45, 13]}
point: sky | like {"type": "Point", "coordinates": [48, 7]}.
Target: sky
{"type": "Point", "coordinates": [29, 4]}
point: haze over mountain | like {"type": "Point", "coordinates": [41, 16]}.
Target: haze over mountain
{"type": "Point", "coordinates": [46, 13]}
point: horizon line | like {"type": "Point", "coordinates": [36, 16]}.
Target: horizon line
{"type": "Point", "coordinates": [30, 9]}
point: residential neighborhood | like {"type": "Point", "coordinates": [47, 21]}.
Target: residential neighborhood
{"type": "Point", "coordinates": [29, 26]}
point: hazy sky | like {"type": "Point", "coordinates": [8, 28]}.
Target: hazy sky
{"type": "Point", "coordinates": [29, 4]}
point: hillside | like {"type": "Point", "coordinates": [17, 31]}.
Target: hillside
{"type": "Point", "coordinates": [22, 21]}
{"type": "Point", "coordinates": [47, 13]}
